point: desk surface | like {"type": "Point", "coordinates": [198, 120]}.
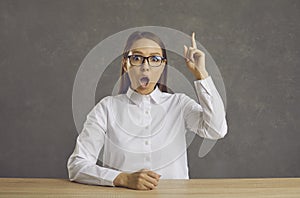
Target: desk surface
{"type": "Point", "coordinates": [260, 187]}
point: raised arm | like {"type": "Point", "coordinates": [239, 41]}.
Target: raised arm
{"type": "Point", "coordinates": [207, 119]}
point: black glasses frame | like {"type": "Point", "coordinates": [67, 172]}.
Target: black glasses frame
{"type": "Point", "coordinates": [147, 58]}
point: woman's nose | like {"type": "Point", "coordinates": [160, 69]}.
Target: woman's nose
{"type": "Point", "coordinates": [145, 66]}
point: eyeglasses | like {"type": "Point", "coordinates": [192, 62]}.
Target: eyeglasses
{"type": "Point", "coordinates": [153, 61]}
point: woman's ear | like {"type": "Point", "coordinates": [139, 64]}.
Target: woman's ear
{"type": "Point", "coordinates": [165, 62]}
{"type": "Point", "coordinates": [124, 64]}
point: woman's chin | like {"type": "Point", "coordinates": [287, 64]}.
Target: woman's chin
{"type": "Point", "coordinates": [145, 88]}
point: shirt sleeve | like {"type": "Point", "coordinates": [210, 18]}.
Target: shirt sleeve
{"type": "Point", "coordinates": [207, 119]}
{"type": "Point", "coordinates": [81, 164]}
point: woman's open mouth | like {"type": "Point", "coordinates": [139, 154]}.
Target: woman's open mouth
{"type": "Point", "coordinates": [144, 81]}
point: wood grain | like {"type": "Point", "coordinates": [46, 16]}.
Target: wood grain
{"type": "Point", "coordinates": [259, 187]}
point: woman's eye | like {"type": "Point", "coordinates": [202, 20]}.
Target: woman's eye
{"type": "Point", "coordinates": [155, 58]}
{"type": "Point", "coordinates": [136, 58]}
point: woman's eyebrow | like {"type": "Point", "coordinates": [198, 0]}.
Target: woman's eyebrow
{"type": "Point", "coordinates": [154, 53]}
{"type": "Point", "coordinates": [136, 51]}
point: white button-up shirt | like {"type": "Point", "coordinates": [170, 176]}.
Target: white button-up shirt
{"type": "Point", "coordinates": [145, 132]}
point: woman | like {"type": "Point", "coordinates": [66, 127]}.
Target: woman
{"type": "Point", "coordinates": [143, 128]}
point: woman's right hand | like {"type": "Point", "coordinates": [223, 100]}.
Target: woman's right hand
{"type": "Point", "coordinates": [141, 180]}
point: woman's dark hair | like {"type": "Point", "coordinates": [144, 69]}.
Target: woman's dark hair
{"type": "Point", "coordinates": [125, 81]}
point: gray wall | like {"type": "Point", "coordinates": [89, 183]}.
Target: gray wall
{"type": "Point", "coordinates": [255, 43]}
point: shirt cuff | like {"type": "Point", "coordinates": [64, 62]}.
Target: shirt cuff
{"type": "Point", "coordinates": [110, 176]}
{"type": "Point", "coordinates": [204, 86]}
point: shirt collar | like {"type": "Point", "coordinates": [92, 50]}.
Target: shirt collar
{"type": "Point", "coordinates": [138, 98]}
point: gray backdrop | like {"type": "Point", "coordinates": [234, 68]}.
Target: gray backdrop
{"type": "Point", "coordinates": [255, 43]}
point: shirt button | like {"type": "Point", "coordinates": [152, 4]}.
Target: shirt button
{"type": "Point", "coordinates": [147, 112]}
{"type": "Point", "coordinates": [146, 142]}
{"type": "Point", "coordinates": [147, 127]}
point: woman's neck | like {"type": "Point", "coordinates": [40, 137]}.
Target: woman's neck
{"type": "Point", "coordinates": [144, 91]}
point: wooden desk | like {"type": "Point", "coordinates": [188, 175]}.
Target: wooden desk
{"type": "Point", "coordinates": [275, 187]}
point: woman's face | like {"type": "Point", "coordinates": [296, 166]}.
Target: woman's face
{"type": "Point", "coordinates": [143, 78]}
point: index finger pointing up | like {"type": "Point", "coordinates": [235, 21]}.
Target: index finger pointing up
{"type": "Point", "coordinates": [194, 45]}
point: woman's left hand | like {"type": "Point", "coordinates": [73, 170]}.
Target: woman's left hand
{"type": "Point", "coordinates": [195, 60]}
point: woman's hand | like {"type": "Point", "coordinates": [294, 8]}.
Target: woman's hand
{"type": "Point", "coordinates": [195, 60]}
{"type": "Point", "coordinates": [141, 180]}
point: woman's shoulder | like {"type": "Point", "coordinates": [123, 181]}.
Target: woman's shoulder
{"type": "Point", "coordinates": [174, 96]}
